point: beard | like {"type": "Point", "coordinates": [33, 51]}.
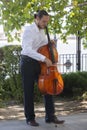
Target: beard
{"type": "Point", "coordinates": [41, 27]}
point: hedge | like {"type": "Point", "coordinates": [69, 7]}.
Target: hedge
{"type": "Point", "coordinates": [75, 83]}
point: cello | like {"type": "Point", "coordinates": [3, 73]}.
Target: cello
{"type": "Point", "coordinates": [50, 80]}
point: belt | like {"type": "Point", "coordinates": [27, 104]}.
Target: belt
{"type": "Point", "coordinates": [28, 58]}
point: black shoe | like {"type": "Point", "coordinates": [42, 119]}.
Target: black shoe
{"type": "Point", "coordinates": [55, 120]}
{"type": "Point", "coordinates": [33, 123]}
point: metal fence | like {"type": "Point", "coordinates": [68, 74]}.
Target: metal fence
{"type": "Point", "coordinates": [68, 63]}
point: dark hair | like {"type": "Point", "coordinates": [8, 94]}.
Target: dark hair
{"type": "Point", "coordinates": [40, 13]}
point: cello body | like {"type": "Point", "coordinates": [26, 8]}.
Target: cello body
{"type": "Point", "coordinates": [50, 80]}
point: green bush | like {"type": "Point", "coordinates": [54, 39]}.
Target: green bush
{"type": "Point", "coordinates": [75, 84]}
{"type": "Point", "coordinates": [13, 88]}
{"type": "Point", "coordinates": [10, 78]}
{"type": "Point", "coordinates": [10, 83]}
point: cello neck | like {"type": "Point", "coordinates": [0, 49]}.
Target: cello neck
{"type": "Point", "coordinates": [48, 35]}
{"type": "Point", "coordinates": [50, 46]}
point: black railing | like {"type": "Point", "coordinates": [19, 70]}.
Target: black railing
{"type": "Point", "coordinates": [68, 63]}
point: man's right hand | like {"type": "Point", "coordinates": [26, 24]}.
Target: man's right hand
{"type": "Point", "coordinates": [48, 62]}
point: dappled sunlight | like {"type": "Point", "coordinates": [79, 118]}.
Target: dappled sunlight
{"type": "Point", "coordinates": [11, 112]}
{"type": "Point", "coordinates": [71, 107]}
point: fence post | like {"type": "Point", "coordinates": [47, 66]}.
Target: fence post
{"type": "Point", "coordinates": [78, 59]}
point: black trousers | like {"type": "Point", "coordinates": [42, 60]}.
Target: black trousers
{"type": "Point", "coordinates": [30, 70]}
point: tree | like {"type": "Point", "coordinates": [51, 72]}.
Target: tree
{"type": "Point", "coordinates": [76, 20]}
{"type": "Point", "coordinates": [15, 13]}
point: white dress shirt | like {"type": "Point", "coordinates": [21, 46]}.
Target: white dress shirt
{"type": "Point", "coordinates": [33, 39]}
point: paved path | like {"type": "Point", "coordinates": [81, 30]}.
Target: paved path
{"type": "Point", "coordinates": [72, 122]}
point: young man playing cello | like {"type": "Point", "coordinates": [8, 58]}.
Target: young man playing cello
{"type": "Point", "coordinates": [33, 38]}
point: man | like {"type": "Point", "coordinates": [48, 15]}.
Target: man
{"type": "Point", "coordinates": [33, 38]}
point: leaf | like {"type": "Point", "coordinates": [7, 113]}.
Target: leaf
{"type": "Point", "coordinates": [15, 13]}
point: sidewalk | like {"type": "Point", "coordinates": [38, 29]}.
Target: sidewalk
{"type": "Point", "coordinates": [72, 122]}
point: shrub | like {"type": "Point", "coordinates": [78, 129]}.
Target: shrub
{"type": "Point", "coordinates": [10, 78]}
{"type": "Point", "coordinates": [75, 84]}
{"type": "Point", "coordinates": [10, 85]}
